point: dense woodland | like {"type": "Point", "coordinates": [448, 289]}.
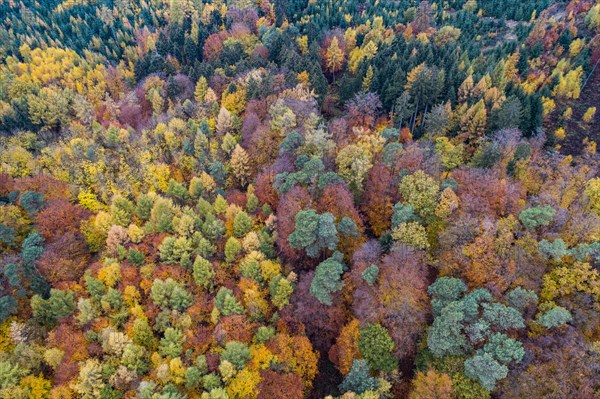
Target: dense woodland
{"type": "Point", "coordinates": [287, 199]}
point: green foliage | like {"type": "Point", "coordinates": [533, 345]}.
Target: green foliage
{"type": "Point", "coordinates": [314, 233]}
{"type": "Point", "coordinates": [537, 216]}
{"type": "Point", "coordinates": [358, 379]}
{"type": "Point", "coordinates": [203, 273]}
{"type": "Point", "coordinates": [281, 289]}
{"type": "Point", "coordinates": [421, 192]}
{"type": "Point", "coordinates": [10, 374]}
{"type": "Point", "coordinates": [8, 306]}
{"type": "Point", "coordinates": [236, 353]}
{"type": "Point", "coordinates": [502, 317]}
{"type": "Point", "coordinates": [121, 210]}
{"type": "Point", "coordinates": [171, 344]}
{"type": "Point", "coordinates": [443, 291]}
{"type": "Point", "coordinates": [445, 336]}
{"type": "Point", "coordinates": [327, 279]}
{"type": "Point", "coordinates": [136, 257]}
{"type": "Point", "coordinates": [347, 227]}
{"type": "Point", "coordinates": [555, 317]}
{"type": "Point", "coordinates": [504, 349]}
{"type": "Point", "coordinates": [263, 334]}
{"type": "Point", "coordinates": [170, 294]}
{"type": "Point", "coordinates": [376, 346]}
{"type": "Point", "coordinates": [242, 224]}
{"type": "Point", "coordinates": [226, 303]}
{"type": "Point", "coordinates": [485, 369]}
{"type": "Point", "coordinates": [32, 202]}
{"type": "Point", "coordinates": [232, 248]}
{"type": "Point", "coordinates": [370, 274]}
{"type": "Point", "coordinates": [49, 311]}
{"type": "Point", "coordinates": [403, 213]}
{"type": "Point", "coordinates": [520, 298]}
{"type": "Point", "coordinates": [177, 190]}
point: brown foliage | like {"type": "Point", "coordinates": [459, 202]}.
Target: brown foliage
{"type": "Point", "coordinates": [51, 188]}
{"type": "Point", "coordinates": [69, 338]}
{"type": "Point", "coordinates": [323, 323]}
{"type": "Point", "coordinates": [60, 217]}
{"type": "Point", "coordinates": [379, 198]}
{"type": "Point", "coordinates": [484, 192]}
{"type": "Point", "coordinates": [274, 385]}
{"type": "Point", "coordinates": [64, 259]}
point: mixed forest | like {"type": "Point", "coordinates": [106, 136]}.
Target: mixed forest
{"type": "Point", "coordinates": [288, 199]}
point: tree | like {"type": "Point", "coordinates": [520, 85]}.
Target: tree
{"type": "Point", "coordinates": [592, 192]}
{"type": "Point", "coordinates": [280, 385]}
{"type": "Point", "coordinates": [89, 383]}
{"type": "Point", "coordinates": [431, 385]}
{"type": "Point", "coordinates": [334, 57]}
{"type": "Point", "coordinates": [314, 232]}
{"type": "Point", "coordinates": [377, 201]}
{"type": "Point", "coordinates": [169, 293]}
{"type": "Point", "coordinates": [32, 202]}
{"type": "Point", "coordinates": [376, 346]}
{"type": "Point", "coordinates": [201, 89]}
{"type": "Point", "coordinates": [555, 317]}
{"type": "Point", "coordinates": [237, 353]}
{"type": "Point", "coordinates": [47, 312]}
{"type": "Point", "coordinates": [327, 279]}
{"type": "Point", "coordinates": [240, 165]}
{"type": "Point", "coordinates": [358, 379]}
{"type": "Point", "coordinates": [242, 224]}
{"type": "Point", "coordinates": [411, 233]}
{"type": "Point", "coordinates": [537, 216]}
{"type": "Point", "coordinates": [203, 273]}
{"type": "Point", "coordinates": [421, 192]}
{"type": "Point", "coordinates": [171, 344]}
{"type": "Point", "coordinates": [485, 369]}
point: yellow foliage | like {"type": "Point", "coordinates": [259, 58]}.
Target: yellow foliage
{"type": "Point", "coordinates": [592, 192]}
{"type": "Point", "coordinates": [38, 387]}
{"type": "Point", "coordinates": [560, 133]}
{"type": "Point", "coordinates": [136, 233]}
{"type": "Point", "coordinates": [89, 201]}
{"type": "Point", "coordinates": [269, 269]}
{"type": "Point", "coordinates": [243, 385]}
{"type": "Point", "coordinates": [411, 233]}
{"type": "Point", "coordinates": [589, 114]}
{"type": "Point", "coordinates": [110, 274]}
{"type": "Point", "coordinates": [565, 280]}
{"type": "Point", "coordinates": [261, 357]}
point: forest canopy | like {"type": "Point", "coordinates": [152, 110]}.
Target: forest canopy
{"type": "Point", "coordinates": [288, 199]}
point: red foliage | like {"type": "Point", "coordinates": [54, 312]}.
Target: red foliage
{"type": "Point", "coordinates": [234, 328]}
{"type": "Point", "coordinates": [69, 338]}
{"type": "Point", "coordinates": [363, 109]}
{"type": "Point", "coordinates": [44, 184]}
{"type": "Point", "coordinates": [485, 192]}
{"type": "Point", "coordinates": [398, 300]}
{"type": "Point", "coordinates": [364, 257]}
{"type": "Point", "coordinates": [338, 200]}
{"type": "Point", "coordinates": [199, 340]}
{"type": "Point", "coordinates": [251, 123]}
{"type": "Point", "coordinates": [64, 259]}
{"type": "Point", "coordinates": [213, 45]}
{"type": "Point", "coordinates": [323, 323]}
{"type": "Point", "coordinates": [60, 217]}
{"type": "Point", "coordinates": [545, 375]}
{"type": "Point", "coordinates": [7, 184]}
{"type": "Point", "coordinates": [290, 204]}
{"type": "Point", "coordinates": [379, 198]}
{"type": "Point", "coordinates": [236, 197]}
{"type": "Point", "coordinates": [274, 385]}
